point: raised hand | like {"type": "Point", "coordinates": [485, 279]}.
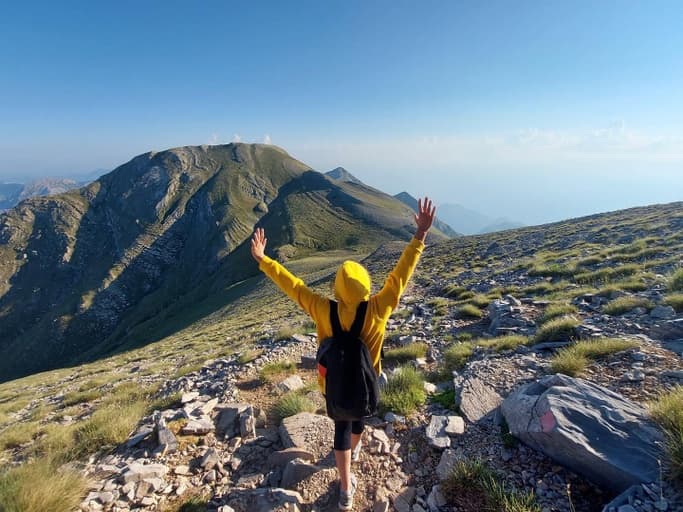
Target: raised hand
{"type": "Point", "coordinates": [258, 244]}
{"type": "Point", "coordinates": [424, 217]}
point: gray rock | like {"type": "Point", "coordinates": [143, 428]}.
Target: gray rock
{"type": "Point", "coordinates": [585, 427]}
{"type": "Point", "coordinates": [404, 499]}
{"type": "Point", "coordinates": [136, 472]}
{"type": "Point", "coordinates": [291, 383]}
{"type": "Point", "coordinates": [449, 459]}
{"type": "Point", "coordinates": [210, 459]}
{"type": "Point", "coordinates": [166, 439]}
{"type": "Point", "coordinates": [436, 500]}
{"type": "Point", "coordinates": [295, 471]}
{"type": "Point", "coordinates": [475, 399]}
{"type": "Point", "coordinates": [282, 457]}
{"type": "Point", "coordinates": [674, 374]}
{"type": "Point", "coordinates": [227, 421]}
{"type": "Point", "coordinates": [140, 435]}
{"type": "Point", "coordinates": [186, 398]}
{"type": "Point", "coordinates": [440, 427]}
{"type": "Point", "coordinates": [269, 499]}
{"type": "Point", "coordinates": [247, 423]}
{"type": "Point", "coordinates": [198, 427]}
{"type": "Point", "coordinates": [312, 432]}
{"type": "Point", "coordinates": [663, 312]}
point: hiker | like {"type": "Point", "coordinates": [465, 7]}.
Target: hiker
{"type": "Point", "coordinates": [351, 287]}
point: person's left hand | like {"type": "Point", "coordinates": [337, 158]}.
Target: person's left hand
{"type": "Point", "coordinates": [258, 244]}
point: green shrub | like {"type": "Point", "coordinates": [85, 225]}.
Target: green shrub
{"type": "Point", "coordinates": [625, 304]}
{"type": "Point", "coordinates": [406, 353]}
{"type": "Point", "coordinates": [676, 281]}
{"type": "Point", "coordinates": [557, 310]}
{"type": "Point", "coordinates": [445, 399]}
{"type": "Point", "coordinates": [675, 300]}
{"type": "Point", "coordinates": [573, 360]}
{"type": "Point", "coordinates": [292, 403]}
{"type": "Point", "coordinates": [500, 343]}
{"type": "Point", "coordinates": [469, 311]}
{"type": "Point", "coordinates": [473, 486]}
{"type": "Point", "coordinates": [667, 410]}
{"type": "Point", "coordinates": [404, 392]}
{"type": "Point", "coordinates": [38, 486]}
{"type": "Point", "coordinates": [277, 368]}
{"type": "Point", "coordinates": [556, 329]}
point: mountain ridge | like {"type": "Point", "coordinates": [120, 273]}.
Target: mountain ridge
{"type": "Point", "coordinates": [80, 269]}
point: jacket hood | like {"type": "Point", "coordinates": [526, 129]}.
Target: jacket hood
{"type": "Point", "coordinates": [352, 284]}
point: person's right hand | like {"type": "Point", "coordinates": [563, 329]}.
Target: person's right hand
{"type": "Point", "coordinates": [258, 244]}
{"type": "Point", "coordinates": [424, 217]}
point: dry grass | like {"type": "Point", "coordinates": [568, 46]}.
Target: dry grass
{"type": "Point", "coordinates": [675, 300]}
{"type": "Point", "coordinates": [667, 410]}
{"type": "Point", "coordinates": [555, 311]}
{"type": "Point", "coordinates": [39, 487]}
{"type": "Point", "coordinates": [276, 369]}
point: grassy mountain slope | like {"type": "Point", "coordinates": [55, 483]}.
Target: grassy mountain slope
{"type": "Point", "coordinates": [607, 255]}
{"type": "Point", "coordinates": [82, 271]}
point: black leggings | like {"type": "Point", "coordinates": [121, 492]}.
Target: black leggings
{"type": "Point", "coordinates": [342, 433]}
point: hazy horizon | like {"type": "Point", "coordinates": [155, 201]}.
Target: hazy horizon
{"type": "Point", "coordinates": [535, 111]}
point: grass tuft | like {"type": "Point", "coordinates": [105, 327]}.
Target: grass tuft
{"type": "Point", "coordinates": [469, 311]}
{"type": "Point", "coordinates": [292, 403]}
{"type": "Point", "coordinates": [573, 360]}
{"type": "Point", "coordinates": [676, 281]}
{"type": "Point", "coordinates": [406, 353]}
{"type": "Point", "coordinates": [249, 355]}
{"type": "Point", "coordinates": [555, 311]}
{"type": "Point", "coordinates": [560, 328]}
{"type": "Point", "coordinates": [275, 369]}
{"type": "Point", "coordinates": [500, 343]}
{"type": "Point", "coordinates": [625, 304]}
{"type": "Point", "coordinates": [404, 392]}
{"type": "Point", "coordinates": [675, 300]}
{"type": "Point", "coordinates": [456, 356]}
{"type": "Point", "coordinates": [471, 485]}
{"type": "Point", "coordinates": [37, 486]}
{"type": "Point", "coordinates": [667, 410]}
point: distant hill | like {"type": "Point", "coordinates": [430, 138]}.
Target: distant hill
{"type": "Point", "coordinates": [410, 201]}
{"type": "Point", "coordinates": [471, 222]}
{"type": "Point", "coordinates": [12, 193]}
{"type": "Point", "coordinates": [341, 174]}
{"type": "Point", "coordinates": [80, 270]}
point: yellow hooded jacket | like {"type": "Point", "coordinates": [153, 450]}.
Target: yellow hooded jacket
{"type": "Point", "coordinates": [351, 287]}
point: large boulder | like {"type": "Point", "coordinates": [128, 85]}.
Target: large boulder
{"type": "Point", "coordinates": [312, 432]}
{"type": "Point", "coordinates": [587, 428]}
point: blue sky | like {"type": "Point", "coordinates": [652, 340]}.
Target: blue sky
{"type": "Point", "coordinates": [532, 110]}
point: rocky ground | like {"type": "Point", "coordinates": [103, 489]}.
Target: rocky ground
{"type": "Point", "coordinates": [222, 443]}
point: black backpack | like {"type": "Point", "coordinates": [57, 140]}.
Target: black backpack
{"type": "Point", "coordinates": [351, 386]}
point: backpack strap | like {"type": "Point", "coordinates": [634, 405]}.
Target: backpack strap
{"type": "Point", "coordinates": [357, 321]}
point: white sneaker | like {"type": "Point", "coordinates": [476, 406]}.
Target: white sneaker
{"type": "Point", "coordinates": [346, 498]}
{"type": "Point", "coordinates": [355, 454]}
